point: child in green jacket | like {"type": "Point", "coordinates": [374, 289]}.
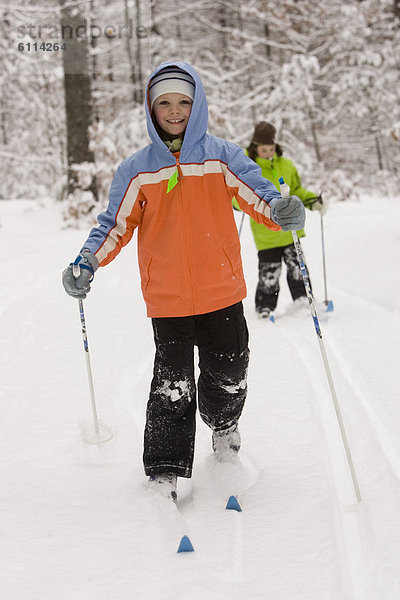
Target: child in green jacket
{"type": "Point", "coordinates": [275, 246]}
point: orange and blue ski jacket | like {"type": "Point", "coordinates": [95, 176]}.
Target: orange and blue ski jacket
{"type": "Point", "coordinates": [188, 244]}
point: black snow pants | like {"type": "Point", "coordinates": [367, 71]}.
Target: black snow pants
{"type": "Point", "coordinates": [269, 271]}
{"type": "Point", "coordinates": [222, 340]}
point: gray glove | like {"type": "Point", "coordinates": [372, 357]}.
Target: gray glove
{"type": "Point", "coordinates": [85, 264]}
{"type": "Point", "coordinates": [289, 213]}
{"type": "Point", "coordinates": [320, 205]}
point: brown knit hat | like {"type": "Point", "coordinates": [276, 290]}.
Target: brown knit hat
{"type": "Point", "coordinates": [264, 133]}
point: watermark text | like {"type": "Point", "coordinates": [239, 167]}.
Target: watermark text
{"type": "Point", "coordinates": [85, 30]}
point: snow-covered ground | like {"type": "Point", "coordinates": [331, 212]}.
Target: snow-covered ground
{"type": "Point", "coordinates": [77, 521]}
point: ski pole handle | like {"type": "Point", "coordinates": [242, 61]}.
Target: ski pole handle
{"type": "Point", "coordinates": [284, 188]}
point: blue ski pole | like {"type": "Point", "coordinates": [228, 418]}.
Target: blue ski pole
{"type": "Point", "coordinates": [285, 191]}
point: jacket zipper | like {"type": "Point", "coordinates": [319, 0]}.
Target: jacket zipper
{"type": "Point", "coordinates": [178, 167]}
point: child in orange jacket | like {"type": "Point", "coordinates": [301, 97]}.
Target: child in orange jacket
{"type": "Point", "coordinates": [177, 192]}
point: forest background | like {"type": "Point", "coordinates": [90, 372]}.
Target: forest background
{"type": "Point", "coordinates": [73, 76]}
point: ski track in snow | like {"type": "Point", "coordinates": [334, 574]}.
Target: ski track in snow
{"type": "Point", "coordinates": [358, 529]}
{"type": "Point", "coordinates": [78, 521]}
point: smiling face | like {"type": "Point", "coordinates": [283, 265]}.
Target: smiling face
{"type": "Point", "coordinates": [172, 112]}
{"type": "Point", "coordinates": [266, 150]}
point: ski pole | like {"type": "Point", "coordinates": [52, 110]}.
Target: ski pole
{"type": "Point", "coordinates": [328, 303]}
{"type": "Point", "coordinates": [101, 432]}
{"type": "Point", "coordinates": [285, 193]}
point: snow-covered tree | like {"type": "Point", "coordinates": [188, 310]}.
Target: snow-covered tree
{"type": "Point", "coordinates": [325, 73]}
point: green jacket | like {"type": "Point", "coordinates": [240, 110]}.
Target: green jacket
{"type": "Point", "coordinates": [272, 170]}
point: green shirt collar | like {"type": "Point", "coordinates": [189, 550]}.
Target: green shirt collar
{"type": "Point", "coordinates": [174, 145]}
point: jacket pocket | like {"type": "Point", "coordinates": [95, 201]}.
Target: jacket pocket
{"type": "Point", "coordinates": [145, 269]}
{"type": "Point", "coordinates": [233, 255]}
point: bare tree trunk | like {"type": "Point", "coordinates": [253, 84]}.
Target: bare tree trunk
{"type": "Point", "coordinates": [315, 137]}
{"type": "Point", "coordinates": [374, 131]}
{"type": "Point", "coordinates": [378, 152]}
{"type": "Point", "coordinates": [396, 11]}
{"type": "Point", "coordinates": [249, 77]}
{"type": "Point", "coordinates": [93, 43]}
{"type": "Point", "coordinates": [3, 122]}
{"type": "Point", "coordinates": [140, 91]}
{"type": "Point", "coordinates": [154, 31]}
{"type": "Point", "coordinates": [78, 98]}
{"type": "Point", "coordinates": [224, 38]}
{"type": "Point", "coordinates": [132, 70]}
{"type": "Point", "coordinates": [5, 96]}
{"type": "Point", "coordinates": [267, 47]}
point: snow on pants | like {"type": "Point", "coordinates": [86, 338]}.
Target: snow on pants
{"type": "Point", "coordinates": [222, 340]}
{"type": "Point", "coordinates": [269, 271]}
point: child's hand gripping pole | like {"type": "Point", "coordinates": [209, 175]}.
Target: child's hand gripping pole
{"type": "Point", "coordinates": [101, 432]}
{"type": "Point", "coordinates": [285, 191]}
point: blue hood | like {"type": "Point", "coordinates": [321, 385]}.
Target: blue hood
{"type": "Point", "coordinates": [198, 120]}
